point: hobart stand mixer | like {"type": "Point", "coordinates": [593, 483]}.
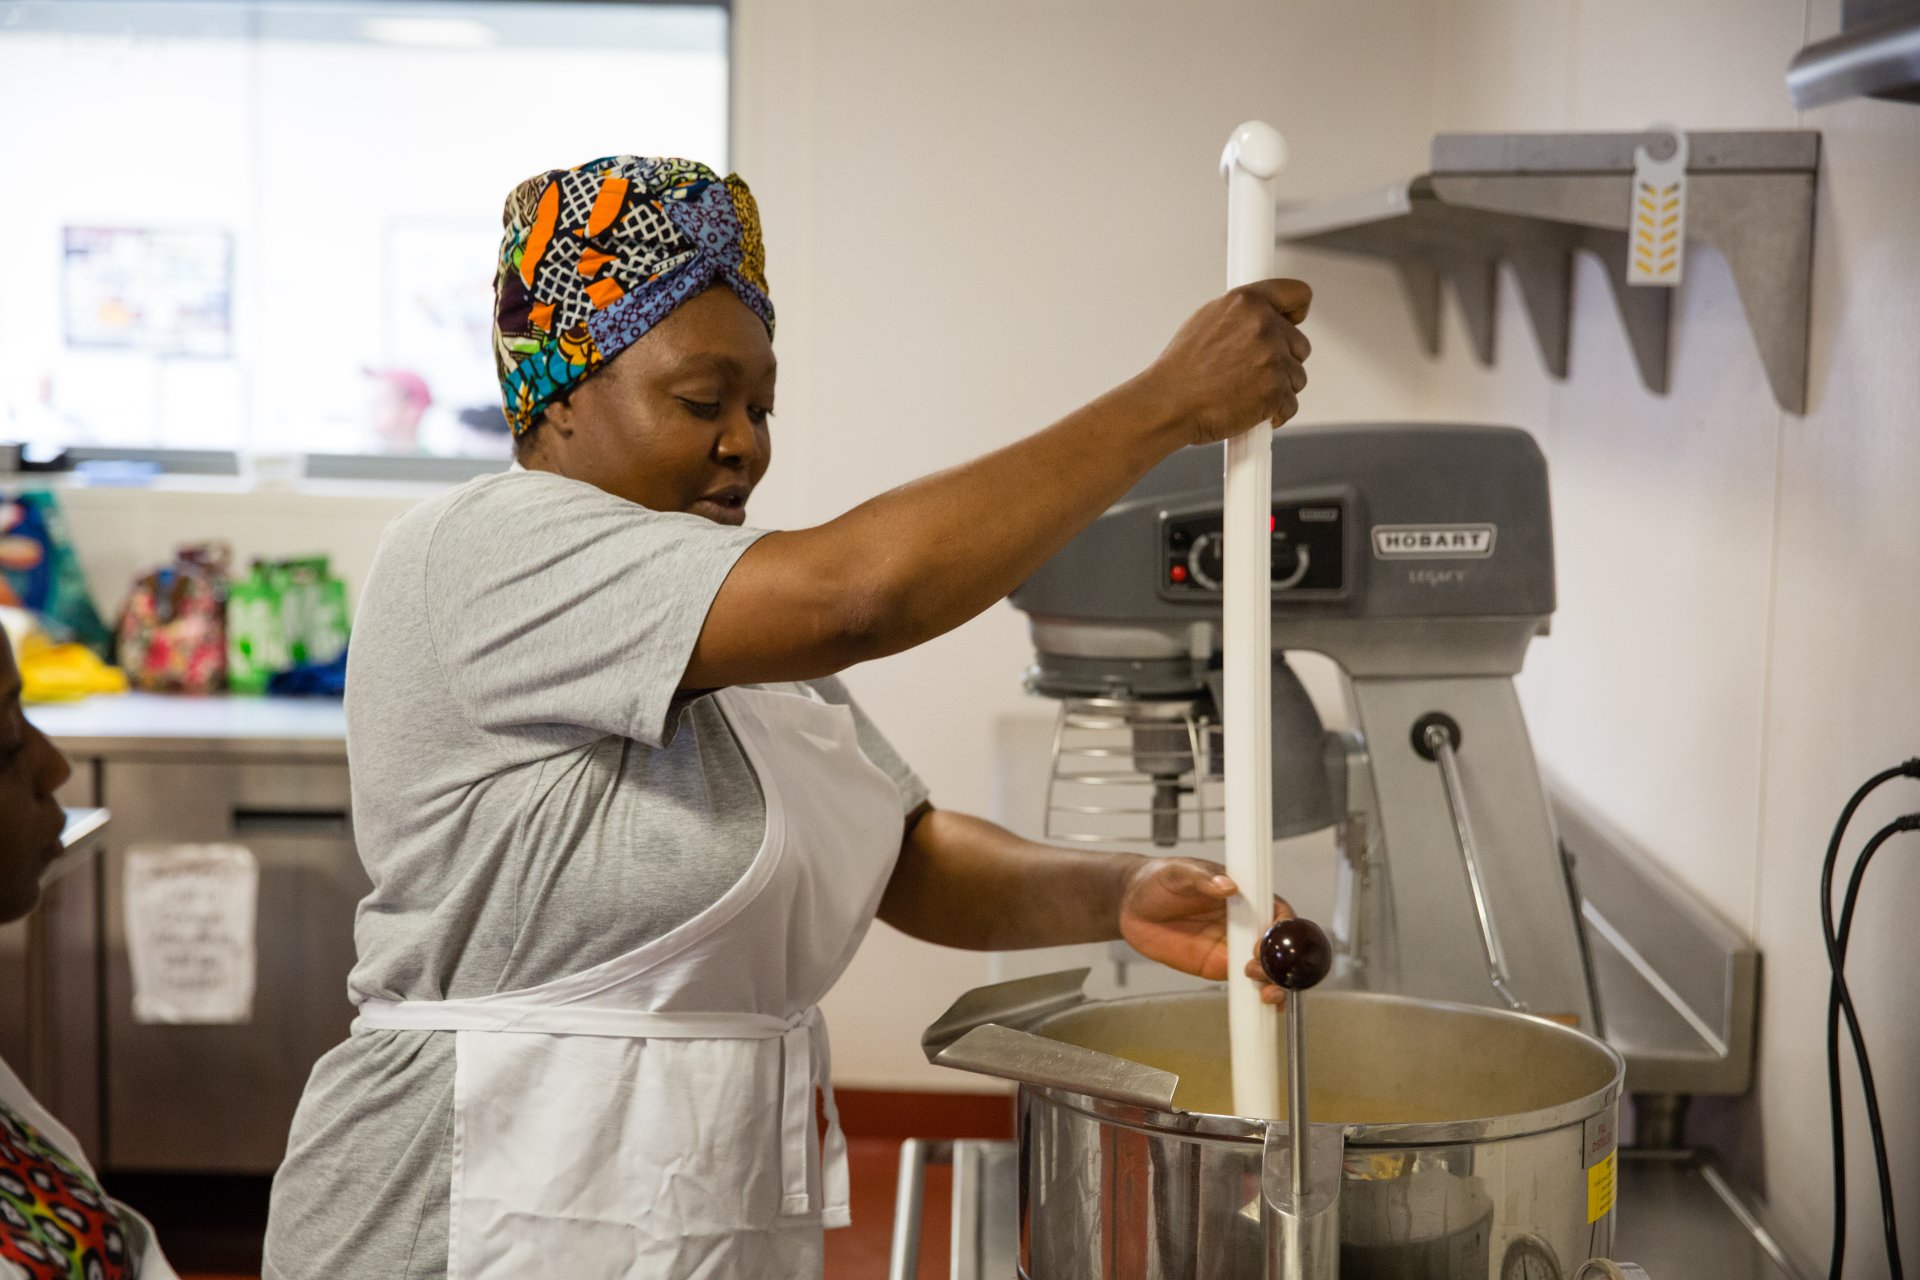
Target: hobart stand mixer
{"type": "Point", "coordinates": [1418, 557]}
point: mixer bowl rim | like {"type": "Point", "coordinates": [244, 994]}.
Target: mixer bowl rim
{"type": "Point", "coordinates": [1412, 1133]}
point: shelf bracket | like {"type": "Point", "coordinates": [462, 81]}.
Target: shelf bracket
{"type": "Point", "coordinates": [1420, 280]}
{"type": "Point", "coordinates": [1533, 200]}
{"type": "Point", "coordinates": [1646, 314]}
{"type": "Point", "coordinates": [1475, 282]}
{"type": "Point", "coordinates": [1545, 277]}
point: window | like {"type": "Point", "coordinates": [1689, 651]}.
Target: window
{"type": "Point", "coordinates": [271, 227]}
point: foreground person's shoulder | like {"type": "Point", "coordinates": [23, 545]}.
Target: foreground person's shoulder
{"type": "Point", "coordinates": [505, 500]}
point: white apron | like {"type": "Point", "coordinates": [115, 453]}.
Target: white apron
{"type": "Point", "coordinates": [653, 1116]}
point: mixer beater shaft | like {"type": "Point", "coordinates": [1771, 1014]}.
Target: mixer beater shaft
{"type": "Point", "coordinates": [1295, 955]}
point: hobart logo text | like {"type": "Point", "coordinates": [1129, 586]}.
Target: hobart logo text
{"type": "Point", "coordinates": [1433, 541]}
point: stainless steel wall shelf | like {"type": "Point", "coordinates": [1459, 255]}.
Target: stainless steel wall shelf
{"type": "Point", "coordinates": [1678, 987]}
{"type": "Point", "coordinates": [1534, 200]}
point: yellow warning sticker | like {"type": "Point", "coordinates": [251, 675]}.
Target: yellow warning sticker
{"type": "Point", "coordinates": [1600, 1180]}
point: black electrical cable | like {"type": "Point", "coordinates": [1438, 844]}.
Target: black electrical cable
{"type": "Point", "coordinates": [1840, 999]}
{"type": "Point", "coordinates": [1911, 822]}
{"type": "Point", "coordinates": [1837, 952]}
{"type": "Point", "coordinates": [1838, 1118]}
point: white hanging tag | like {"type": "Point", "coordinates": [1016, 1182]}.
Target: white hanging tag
{"type": "Point", "coordinates": [1657, 236]}
{"type": "Point", "coordinates": [190, 911]}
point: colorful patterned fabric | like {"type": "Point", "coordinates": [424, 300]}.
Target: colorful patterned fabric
{"type": "Point", "coordinates": [55, 1222]}
{"type": "Point", "coordinates": [596, 255]}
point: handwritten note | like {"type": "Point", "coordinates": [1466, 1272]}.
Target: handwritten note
{"type": "Point", "coordinates": [190, 912]}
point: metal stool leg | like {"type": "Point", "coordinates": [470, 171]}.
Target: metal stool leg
{"type": "Point", "coordinates": [985, 1243]}
{"type": "Point", "coordinates": [909, 1203]}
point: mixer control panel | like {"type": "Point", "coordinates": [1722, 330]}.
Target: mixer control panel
{"type": "Point", "coordinates": [1309, 550]}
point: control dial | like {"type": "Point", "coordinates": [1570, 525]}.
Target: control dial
{"type": "Point", "coordinates": [1205, 558]}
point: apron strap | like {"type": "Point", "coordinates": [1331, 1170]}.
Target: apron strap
{"type": "Point", "coordinates": [796, 1117]}
{"type": "Point", "coordinates": [809, 1064]}
{"type": "Point", "coordinates": [513, 1014]}
{"type": "Point", "coordinates": [836, 1185]}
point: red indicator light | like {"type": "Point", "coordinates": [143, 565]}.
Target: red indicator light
{"type": "Point", "coordinates": [1273, 522]}
{"type": "Point", "coordinates": [1178, 573]}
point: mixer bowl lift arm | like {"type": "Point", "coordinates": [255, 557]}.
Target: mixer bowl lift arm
{"type": "Point", "coordinates": [1437, 737]}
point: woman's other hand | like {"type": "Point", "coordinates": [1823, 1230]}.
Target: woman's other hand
{"type": "Point", "coordinates": [1239, 360]}
{"type": "Point", "coordinates": [1174, 910]}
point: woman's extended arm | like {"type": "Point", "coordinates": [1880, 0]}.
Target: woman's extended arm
{"type": "Point", "coordinates": [965, 882]}
{"type": "Point", "coordinates": [921, 559]}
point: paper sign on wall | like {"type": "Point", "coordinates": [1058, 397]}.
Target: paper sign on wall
{"type": "Point", "coordinates": [190, 911]}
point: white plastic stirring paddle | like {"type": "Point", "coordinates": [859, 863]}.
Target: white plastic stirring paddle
{"type": "Point", "coordinates": [1254, 157]}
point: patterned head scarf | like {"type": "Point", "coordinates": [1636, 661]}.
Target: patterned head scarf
{"type": "Point", "coordinates": [596, 255]}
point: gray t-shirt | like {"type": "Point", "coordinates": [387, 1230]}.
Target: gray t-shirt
{"type": "Point", "coordinates": [531, 796]}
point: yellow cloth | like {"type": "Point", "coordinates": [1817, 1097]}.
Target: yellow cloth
{"type": "Point", "coordinates": [52, 672]}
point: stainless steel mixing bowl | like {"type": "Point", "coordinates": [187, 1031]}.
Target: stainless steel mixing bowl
{"type": "Point", "coordinates": [1479, 1143]}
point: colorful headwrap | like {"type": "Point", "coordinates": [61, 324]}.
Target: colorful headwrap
{"type": "Point", "coordinates": [596, 255]}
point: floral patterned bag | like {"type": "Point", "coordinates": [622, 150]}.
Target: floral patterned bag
{"type": "Point", "coordinates": [173, 634]}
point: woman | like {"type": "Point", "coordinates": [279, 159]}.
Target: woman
{"type": "Point", "coordinates": [55, 1221]}
{"type": "Point", "coordinates": [624, 827]}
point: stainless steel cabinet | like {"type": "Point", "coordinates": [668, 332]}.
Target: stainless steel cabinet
{"type": "Point", "coordinates": [219, 1098]}
{"type": "Point", "coordinates": [62, 1064]}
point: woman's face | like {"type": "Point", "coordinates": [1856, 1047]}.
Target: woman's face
{"type": "Point", "coordinates": [677, 421]}
{"type": "Point", "coordinates": [30, 818]}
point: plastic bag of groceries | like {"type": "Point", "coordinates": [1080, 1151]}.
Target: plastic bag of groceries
{"type": "Point", "coordinates": [39, 571]}
{"type": "Point", "coordinates": [173, 631]}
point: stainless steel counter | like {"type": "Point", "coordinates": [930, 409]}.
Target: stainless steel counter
{"type": "Point", "coordinates": [80, 843]}
{"type": "Point", "coordinates": [133, 725]}
{"type": "Point", "coordinates": [1681, 1220]}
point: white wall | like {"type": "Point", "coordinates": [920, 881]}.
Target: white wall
{"type": "Point", "coordinates": [1736, 643]}
{"type": "Point", "coordinates": [120, 532]}
{"type": "Point", "coordinates": [980, 215]}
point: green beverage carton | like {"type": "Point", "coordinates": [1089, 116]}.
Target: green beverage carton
{"type": "Point", "coordinates": [256, 635]}
{"type": "Point", "coordinates": [328, 639]}
{"type": "Point", "coordinates": [296, 606]}
{"type": "Point", "coordinates": [285, 614]}
{"type": "Point", "coordinates": [313, 611]}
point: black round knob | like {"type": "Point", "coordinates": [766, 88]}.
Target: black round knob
{"type": "Point", "coordinates": [1295, 954]}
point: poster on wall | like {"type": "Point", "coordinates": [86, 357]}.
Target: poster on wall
{"type": "Point", "coordinates": [161, 291]}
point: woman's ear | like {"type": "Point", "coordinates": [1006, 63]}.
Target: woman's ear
{"type": "Point", "coordinates": [558, 418]}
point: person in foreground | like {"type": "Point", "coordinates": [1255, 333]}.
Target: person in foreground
{"type": "Point", "coordinates": [55, 1221]}
{"type": "Point", "coordinates": [624, 826]}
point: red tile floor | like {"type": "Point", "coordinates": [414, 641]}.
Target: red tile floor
{"type": "Point", "coordinates": [876, 1124]}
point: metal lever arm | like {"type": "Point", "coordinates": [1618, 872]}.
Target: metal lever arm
{"type": "Point", "coordinates": [1437, 737]}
